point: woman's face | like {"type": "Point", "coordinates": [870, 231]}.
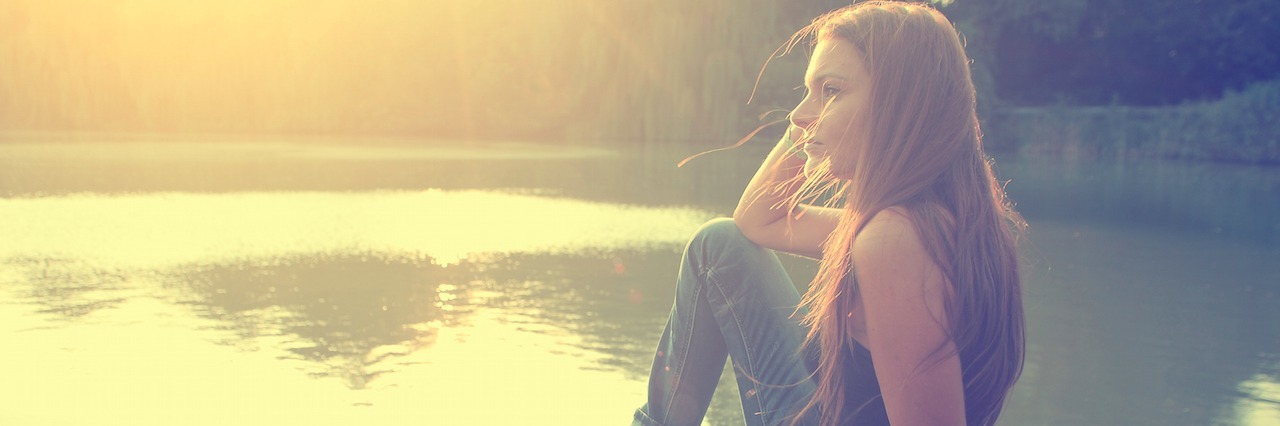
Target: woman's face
{"type": "Point", "coordinates": [830, 117]}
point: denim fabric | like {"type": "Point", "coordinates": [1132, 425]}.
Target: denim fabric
{"type": "Point", "coordinates": [733, 299]}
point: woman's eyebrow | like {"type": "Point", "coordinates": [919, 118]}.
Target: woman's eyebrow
{"type": "Point", "coordinates": [827, 76]}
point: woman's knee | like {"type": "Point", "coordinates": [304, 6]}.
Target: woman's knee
{"type": "Point", "coordinates": [719, 229]}
{"type": "Point", "coordinates": [718, 236]}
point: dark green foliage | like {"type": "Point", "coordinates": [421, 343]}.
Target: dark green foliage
{"type": "Point", "coordinates": [1241, 127]}
{"type": "Point", "coordinates": [1136, 52]}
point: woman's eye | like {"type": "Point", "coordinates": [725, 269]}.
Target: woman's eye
{"type": "Point", "coordinates": [829, 91]}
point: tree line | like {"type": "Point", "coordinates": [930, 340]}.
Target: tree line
{"type": "Point", "coordinates": [660, 70]}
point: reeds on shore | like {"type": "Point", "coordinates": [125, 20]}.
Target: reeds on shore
{"type": "Point", "coordinates": [1240, 127]}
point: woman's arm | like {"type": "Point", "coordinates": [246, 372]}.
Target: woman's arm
{"type": "Point", "coordinates": [800, 232]}
{"type": "Point", "coordinates": [903, 292]}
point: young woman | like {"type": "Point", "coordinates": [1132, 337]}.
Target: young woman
{"type": "Point", "coordinates": [915, 316]}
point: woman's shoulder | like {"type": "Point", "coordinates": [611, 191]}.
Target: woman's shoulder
{"type": "Point", "coordinates": [900, 228]}
{"type": "Point", "coordinates": [894, 225]}
{"type": "Point", "coordinates": [889, 248]}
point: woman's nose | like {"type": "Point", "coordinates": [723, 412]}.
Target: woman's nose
{"type": "Point", "coordinates": [802, 118]}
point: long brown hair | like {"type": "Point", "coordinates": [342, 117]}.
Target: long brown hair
{"type": "Point", "coordinates": [922, 151]}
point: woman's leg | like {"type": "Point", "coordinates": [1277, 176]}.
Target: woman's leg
{"type": "Point", "coordinates": [733, 298]}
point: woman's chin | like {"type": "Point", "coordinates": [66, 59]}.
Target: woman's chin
{"type": "Point", "coordinates": [819, 168]}
{"type": "Point", "coordinates": [814, 168]}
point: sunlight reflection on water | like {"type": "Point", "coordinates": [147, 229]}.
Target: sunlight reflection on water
{"type": "Point", "coordinates": [118, 297]}
{"type": "Point", "coordinates": [260, 281]}
{"type": "Point", "coordinates": [1259, 403]}
{"type": "Point", "coordinates": [168, 229]}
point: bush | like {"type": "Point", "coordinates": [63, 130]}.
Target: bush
{"type": "Point", "coordinates": [1244, 126]}
{"type": "Point", "coordinates": [1240, 127]}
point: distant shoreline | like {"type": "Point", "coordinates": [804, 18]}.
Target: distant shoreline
{"type": "Point", "coordinates": [1242, 127]}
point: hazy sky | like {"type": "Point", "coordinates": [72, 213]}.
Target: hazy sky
{"type": "Point", "coordinates": [268, 65]}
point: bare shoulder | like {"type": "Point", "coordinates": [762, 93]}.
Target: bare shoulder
{"type": "Point", "coordinates": [903, 294]}
{"type": "Point", "coordinates": [889, 255]}
{"type": "Point", "coordinates": [889, 235]}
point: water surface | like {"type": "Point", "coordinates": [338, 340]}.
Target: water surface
{"type": "Point", "coordinates": [276, 281]}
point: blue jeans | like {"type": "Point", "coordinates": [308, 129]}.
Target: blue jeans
{"type": "Point", "coordinates": [734, 299]}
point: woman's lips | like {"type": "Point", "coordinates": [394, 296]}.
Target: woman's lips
{"type": "Point", "coordinates": [811, 147]}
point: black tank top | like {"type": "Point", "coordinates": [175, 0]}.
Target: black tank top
{"type": "Point", "coordinates": [862, 402]}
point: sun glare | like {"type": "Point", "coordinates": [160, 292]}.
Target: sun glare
{"type": "Point", "coordinates": [117, 292]}
{"type": "Point", "coordinates": [275, 66]}
{"type": "Point", "coordinates": [164, 230]}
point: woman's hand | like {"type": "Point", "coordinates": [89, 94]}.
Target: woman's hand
{"type": "Point", "coordinates": [765, 213]}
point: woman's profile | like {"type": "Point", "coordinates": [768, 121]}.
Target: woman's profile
{"type": "Point", "coordinates": [915, 316]}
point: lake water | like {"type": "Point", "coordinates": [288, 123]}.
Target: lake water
{"type": "Point", "coordinates": [200, 280]}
